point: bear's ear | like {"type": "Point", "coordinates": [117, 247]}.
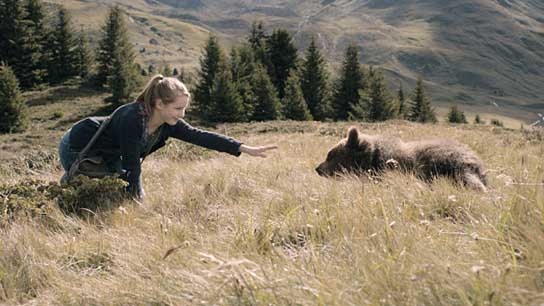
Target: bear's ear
{"type": "Point", "coordinates": [353, 137]}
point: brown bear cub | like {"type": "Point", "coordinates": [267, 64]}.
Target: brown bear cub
{"type": "Point", "coordinates": [427, 159]}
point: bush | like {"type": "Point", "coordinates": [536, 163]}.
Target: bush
{"type": "Point", "coordinates": [496, 122]}
{"type": "Point", "coordinates": [82, 195]}
{"type": "Point", "coordinates": [456, 115]}
{"type": "Point", "coordinates": [12, 106]}
{"type": "Point", "coordinates": [27, 198]}
{"type": "Point", "coordinates": [58, 114]}
{"type": "Point", "coordinates": [478, 120]}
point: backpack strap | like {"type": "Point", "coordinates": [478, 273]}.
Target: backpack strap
{"type": "Point", "coordinates": [101, 128]}
{"type": "Point", "coordinates": [94, 138]}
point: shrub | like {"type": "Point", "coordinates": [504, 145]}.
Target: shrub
{"type": "Point", "coordinates": [496, 122]}
{"type": "Point", "coordinates": [28, 198]}
{"type": "Point", "coordinates": [478, 120]}
{"type": "Point", "coordinates": [12, 106]}
{"type": "Point", "coordinates": [35, 198]}
{"type": "Point", "coordinates": [58, 114]}
{"type": "Point", "coordinates": [456, 115]}
{"type": "Point", "coordinates": [84, 194]}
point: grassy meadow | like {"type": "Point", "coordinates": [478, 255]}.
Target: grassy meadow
{"type": "Point", "coordinates": [220, 230]}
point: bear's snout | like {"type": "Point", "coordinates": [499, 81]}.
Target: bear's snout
{"type": "Point", "coordinates": [321, 170]}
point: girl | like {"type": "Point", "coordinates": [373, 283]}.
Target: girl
{"type": "Point", "coordinates": [139, 128]}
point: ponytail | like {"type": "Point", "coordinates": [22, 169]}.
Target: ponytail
{"type": "Point", "coordinates": [164, 88]}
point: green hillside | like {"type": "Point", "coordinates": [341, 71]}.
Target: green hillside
{"type": "Point", "coordinates": [157, 39]}
{"type": "Point", "coordinates": [484, 55]}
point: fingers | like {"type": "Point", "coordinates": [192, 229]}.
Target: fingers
{"type": "Point", "coordinates": [261, 150]}
{"type": "Point", "coordinates": [268, 147]}
{"type": "Point", "coordinates": [258, 151]}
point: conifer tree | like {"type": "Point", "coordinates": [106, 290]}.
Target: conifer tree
{"type": "Point", "coordinates": [294, 105]}
{"type": "Point", "coordinates": [368, 75]}
{"type": "Point", "coordinates": [478, 120]}
{"type": "Point", "coordinates": [266, 104]}
{"type": "Point", "coordinates": [235, 65]}
{"type": "Point", "coordinates": [123, 81]}
{"type": "Point", "coordinates": [226, 103]}
{"type": "Point", "coordinates": [63, 57]}
{"type": "Point", "coordinates": [380, 107]}
{"type": "Point", "coordinates": [282, 54]}
{"type": "Point", "coordinates": [84, 58]}
{"type": "Point", "coordinates": [257, 34]}
{"type": "Point", "coordinates": [11, 28]}
{"type": "Point", "coordinates": [116, 67]}
{"type": "Point", "coordinates": [348, 86]}
{"type": "Point", "coordinates": [37, 41]}
{"type": "Point", "coordinates": [360, 110]}
{"type": "Point", "coordinates": [113, 43]}
{"type": "Point", "coordinates": [455, 115]}
{"type": "Point", "coordinates": [314, 83]}
{"type": "Point", "coordinates": [257, 40]}
{"type": "Point", "coordinates": [242, 62]}
{"type": "Point", "coordinates": [242, 66]}
{"type": "Point", "coordinates": [17, 47]}
{"type": "Point", "coordinates": [496, 122]}
{"type": "Point", "coordinates": [421, 110]}
{"type": "Point", "coordinates": [35, 14]}
{"type": "Point", "coordinates": [12, 106]}
{"type": "Point", "coordinates": [401, 100]}
{"type": "Point", "coordinates": [210, 64]}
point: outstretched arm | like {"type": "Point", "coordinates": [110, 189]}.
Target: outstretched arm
{"type": "Point", "coordinates": [183, 131]}
{"type": "Point", "coordinates": [256, 151]}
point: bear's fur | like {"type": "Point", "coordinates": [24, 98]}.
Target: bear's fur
{"type": "Point", "coordinates": [427, 159]}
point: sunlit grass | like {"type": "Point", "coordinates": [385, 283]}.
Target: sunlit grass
{"type": "Point", "coordinates": [216, 229]}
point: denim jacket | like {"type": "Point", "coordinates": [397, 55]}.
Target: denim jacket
{"type": "Point", "coordinates": [126, 138]}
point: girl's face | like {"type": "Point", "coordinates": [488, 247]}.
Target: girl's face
{"type": "Point", "coordinates": [172, 112]}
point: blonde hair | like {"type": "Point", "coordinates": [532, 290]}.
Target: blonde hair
{"type": "Point", "coordinates": [167, 89]}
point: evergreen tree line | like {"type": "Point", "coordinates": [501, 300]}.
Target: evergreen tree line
{"type": "Point", "coordinates": [264, 79]}
{"type": "Point", "coordinates": [48, 51]}
{"type": "Point", "coordinates": [35, 53]}
{"type": "Point", "coordinates": [41, 52]}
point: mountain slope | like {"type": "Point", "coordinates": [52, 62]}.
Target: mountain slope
{"type": "Point", "coordinates": [486, 55]}
{"type": "Point", "coordinates": [478, 53]}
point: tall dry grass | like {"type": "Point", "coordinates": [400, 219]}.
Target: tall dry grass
{"type": "Point", "coordinates": [218, 230]}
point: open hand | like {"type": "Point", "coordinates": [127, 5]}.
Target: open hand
{"type": "Point", "coordinates": [257, 151]}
